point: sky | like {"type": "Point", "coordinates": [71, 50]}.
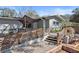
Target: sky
{"type": "Point", "coordinates": [45, 10]}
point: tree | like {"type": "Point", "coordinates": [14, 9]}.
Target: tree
{"type": "Point", "coordinates": [75, 16]}
{"type": "Point", "coordinates": [6, 12]}
{"type": "Point", "coordinates": [20, 14]}
{"type": "Point", "coordinates": [13, 13]}
{"type": "Point", "coordinates": [32, 14]}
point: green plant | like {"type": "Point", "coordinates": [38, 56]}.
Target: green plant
{"type": "Point", "coordinates": [56, 30]}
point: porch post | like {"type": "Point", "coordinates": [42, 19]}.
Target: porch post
{"type": "Point", "coordinates": [44, 26]}
{"type": "Point", "coordinates": [25, 23]}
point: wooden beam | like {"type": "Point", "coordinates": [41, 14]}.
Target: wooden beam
{"type": "Point", "coordinates": [55, 49]}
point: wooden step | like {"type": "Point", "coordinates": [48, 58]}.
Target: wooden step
{"type": "Point", "coordinates": [50, 40]}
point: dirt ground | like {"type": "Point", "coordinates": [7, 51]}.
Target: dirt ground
{"type": "Point", "coordinates": [41, 47]}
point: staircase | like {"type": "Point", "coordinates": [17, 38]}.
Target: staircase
{"type": "Point", "coordinates": [51, 40]}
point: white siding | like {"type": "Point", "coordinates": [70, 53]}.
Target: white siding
{"type": "Point", "coordinates": [52, 23]}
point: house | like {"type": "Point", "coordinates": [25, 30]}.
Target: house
{"type": "Point", "coordinates": [52, 22]}
{"type": "Point", "coordinates": [8, 25]}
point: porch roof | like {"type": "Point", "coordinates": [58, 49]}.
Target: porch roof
{"type": "Point", "coordinates": [57, 17]}
{"type": "Point", "coordinates": [28, 19]}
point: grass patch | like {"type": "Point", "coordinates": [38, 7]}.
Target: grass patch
{"type": "Point", "coordinates": [55, 30]}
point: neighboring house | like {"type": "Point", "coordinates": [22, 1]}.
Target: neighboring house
{"type": "Point", "coordinates": [8, 25]}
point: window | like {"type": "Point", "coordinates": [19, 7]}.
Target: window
{"type": "Point", "coordinates": [55, 23]}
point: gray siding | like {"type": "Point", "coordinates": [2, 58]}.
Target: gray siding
{"type": "Point", "coordinates": [47, 23]}
{"type": "Point", "coordinates": [40, 24]}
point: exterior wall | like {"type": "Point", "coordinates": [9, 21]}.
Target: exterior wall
{"type": "Point", "coordinates": [40, 24]}
{"type": "Point", "coordinates": [47, 23]}
{"type": "Point", "coordinates": [52, 24]}
{"type": "Point", "coordinates": [37, 25]}
{"type": "Point", "coordinates": [34, 25]}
